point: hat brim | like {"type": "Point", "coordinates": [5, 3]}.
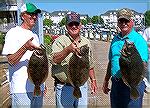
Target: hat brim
{"type": "Point", "coordinates": [35, 12]}
{"type": "Point", "coordinates": [72, 21]}
{"type": "Point", "coordinates": [124, 17]}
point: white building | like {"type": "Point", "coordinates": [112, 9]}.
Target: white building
{"type": "Point", "coordinates": [57, 16]}
{"type": "Point", "coordinates": [110, 19]}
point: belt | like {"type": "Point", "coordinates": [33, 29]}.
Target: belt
{"type": "Point", "coordinates": [67, 84]}
{"type": "Point", "coordinates": [62, 83]}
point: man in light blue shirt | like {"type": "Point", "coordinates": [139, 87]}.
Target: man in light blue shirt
{"type": "Point", "coordinates": [120, 92]}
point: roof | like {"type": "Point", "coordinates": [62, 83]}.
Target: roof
{"type": "Point", "coordinates": [58, 13]}
{"type": "Point", "coordinates": [8, 2]}
{"type": "Point", "coordinates": [107, 13]}
{"type": "Point", "coordinates": [5, 5]}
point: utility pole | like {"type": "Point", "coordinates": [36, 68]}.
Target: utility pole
{"type": "Point", "coordinates": [19, 4]}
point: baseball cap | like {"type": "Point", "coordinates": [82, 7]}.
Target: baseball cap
{"type": "Point", "coordinates": [72, 17]}
{"type": "Point", "coordinates": [125, 13]}
{"type": "Point", "coordinates": [30, 8]}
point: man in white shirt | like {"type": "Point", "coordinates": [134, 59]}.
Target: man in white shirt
{"type": "Point", "coordinates": [20, 42]}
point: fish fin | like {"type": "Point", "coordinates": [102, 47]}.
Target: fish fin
{"type": "Point", "coordinates": [77, 92]}
{"type": "Point", "coordinates": [37, 91]}
{"type": "Point", "coordinates": [134, 93]}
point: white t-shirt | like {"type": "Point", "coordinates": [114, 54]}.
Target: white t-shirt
{"type": "Point", "coordinates": [18, 77]}
{"type": "Point", "coordinates": [146, 35]}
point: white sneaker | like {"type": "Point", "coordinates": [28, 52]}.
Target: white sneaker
{"type": "Point", "coordinates": [147, 89]}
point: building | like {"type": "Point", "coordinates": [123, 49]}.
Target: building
{"type": "Point", "coordinates": [8, 14]}
{"type": "Point", "coordinates": [57, 16]}
{"type": "Point", "coordinates": [110, 19]}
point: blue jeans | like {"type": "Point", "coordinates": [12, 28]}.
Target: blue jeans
{"type": "Point", "coordinates": [65, 98]}
{"type": "Point", "coordinates": [26, 100]}
{"type": "Point", "coordinates": [120, 95]}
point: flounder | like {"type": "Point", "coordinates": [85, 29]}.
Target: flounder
{"type": "Point", "coordinates": [38, 69]}
{"type": "Point", "coordinates": [131, 67]}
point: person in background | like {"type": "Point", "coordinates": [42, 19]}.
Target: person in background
{"type": "Point", "coordinates": [146, 36]}
{"type": "Point", "coordinates": [20, 42]}
{"type": "Point", "coordinates": [62, 49]}
{"type": "Point", "coordinates": [120, 92]}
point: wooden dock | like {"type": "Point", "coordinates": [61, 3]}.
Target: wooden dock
{"type": "Point", "coordinates": [101, 100]}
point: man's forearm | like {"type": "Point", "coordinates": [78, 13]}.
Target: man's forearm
{"type": "Point", "coordinates": [15, 58]}
{"type": "Point", "coordinates": [60, 56]}
{"type": "Point", "coordinates": [92, 74]}
{"type": "Point", "coordinates": [108, 73]}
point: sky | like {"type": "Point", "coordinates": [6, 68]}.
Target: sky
{"type": "Point", "coordinates": [91, 7]}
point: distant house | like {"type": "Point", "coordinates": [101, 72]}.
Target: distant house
{"type": "Point", "coordinates": [84, 16]}
{"type": "Point", "coordinates": [57, 16]}
{"type": "Point", "coordinates": [110, 18]}
{"type": "Point", "coordinates": [8, 15]}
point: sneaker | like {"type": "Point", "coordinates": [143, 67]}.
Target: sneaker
{"type": "Point", "coordinates": [147, 89]}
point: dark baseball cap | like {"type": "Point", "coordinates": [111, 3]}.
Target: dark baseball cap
{"type": "Point", "coordinates": [30, 8]}
{"type": "Point", "coordinates": [72, 17]}
{"type": "Point", "coordinates": [125, 13]}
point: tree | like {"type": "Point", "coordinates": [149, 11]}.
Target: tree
{"type": "Point", "coordinates": [62, 22]}
{"type": "Point", "coordinates": [97, 20]}
{"type": "Point", "coordinates": [89, 19]}
{"type": "Point", "coordinates": [2, 38]}
{"type": "Point", "coordinates": [101, 21]}
{"type": "Point", "coordinates": [47, 22]}
{"type": "Point", "coordinates": [47, 39]}
{"type": "Point", "coordinates": [147, 18]}
{"type": "Point", "coordinates": [84, 21]}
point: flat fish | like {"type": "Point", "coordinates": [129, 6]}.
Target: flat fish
{"type": "Point", "coordinates": [38, 69]}
{"type": "Point", "coordinates": [78, 70]}
{"type": "Point", "coordinates": [131, 67]}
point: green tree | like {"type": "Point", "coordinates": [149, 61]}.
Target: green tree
{"type": "Point", "coordinates": [2, 38]}
{"type": "Point", "coordinates": [84, 21]}
{"type": "Point", "coordinates": [97, 20]}
{"type": "Point", "coordinates": [47, 22]}
{"type": "Point", "coordinates": [47, 39]}
{"type": "Point", "coordinates": [101, 21]}
{"type": "Point", "coordinates": [62, 22]}
{"type": "Point", "coordinates": [89, 19]}
{"type": "Point", "coordinates": [48, 42]}
{"type": "Point", "coordinates": [147, 18]}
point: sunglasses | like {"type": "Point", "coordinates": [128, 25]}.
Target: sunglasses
{"type": "Point", "coordinates": [73, 24]}
{"type": "Point", "coordinates": [123, 21]}
{"type": "Point", "coordinates": [32, 14]}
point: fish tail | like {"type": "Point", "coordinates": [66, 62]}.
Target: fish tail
{"type": "Point", "coordinates": [134, 93]}
{"type": "Point", "coordinates": [37, 91]}
{"type": "Point", "coordinates": [77, 92]}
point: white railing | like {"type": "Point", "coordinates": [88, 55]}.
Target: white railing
{"type": "Point", "coordinates": [6, 27]}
